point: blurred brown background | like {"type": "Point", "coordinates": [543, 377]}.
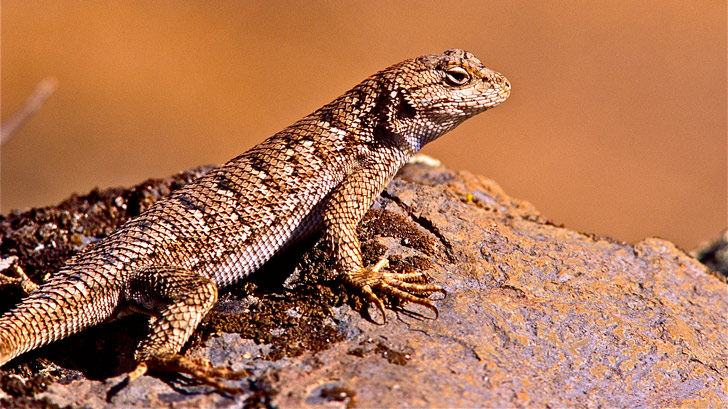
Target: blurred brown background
{"type": "Point", "coordinates": [616, 124]}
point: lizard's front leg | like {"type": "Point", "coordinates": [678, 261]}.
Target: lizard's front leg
{"type": "Point", "coordinates": [346, 206]}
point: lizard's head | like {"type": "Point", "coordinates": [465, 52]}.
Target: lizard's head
{"type": "Point", "coordinates": [441, 91]}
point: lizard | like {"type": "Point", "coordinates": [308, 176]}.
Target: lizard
{"type": "Point", "coordinates": [320, 174]}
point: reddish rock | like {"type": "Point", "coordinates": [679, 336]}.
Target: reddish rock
{"type": "Point", "coordinates": [536, 315]}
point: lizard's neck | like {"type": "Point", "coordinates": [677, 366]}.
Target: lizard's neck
{"type": "Point", "coordinates": [378, 112]}
{"type": "Point", "coordinates": [414, 129]}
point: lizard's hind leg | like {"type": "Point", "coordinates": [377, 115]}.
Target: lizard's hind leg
{"type": "Point", "coordinates": [176, 300]}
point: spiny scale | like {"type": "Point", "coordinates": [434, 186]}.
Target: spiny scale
{"type": "Point", "coordinates": [323, 172]}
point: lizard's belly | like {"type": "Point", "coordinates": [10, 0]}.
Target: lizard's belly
{"type": "Point", "coordinates": [242, 257]}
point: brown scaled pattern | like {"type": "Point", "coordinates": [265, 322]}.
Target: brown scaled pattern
{"type": "Point", "coordinates": [324, 171]}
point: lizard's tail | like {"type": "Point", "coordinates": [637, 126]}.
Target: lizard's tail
{"type": "Point", "coordinates": [52, 312]}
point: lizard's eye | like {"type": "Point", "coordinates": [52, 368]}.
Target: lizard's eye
{"type": "Point", "coordinates": [457, 76]}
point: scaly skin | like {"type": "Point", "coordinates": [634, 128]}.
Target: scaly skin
{"type": "Point", "coordinates": [323, 172]}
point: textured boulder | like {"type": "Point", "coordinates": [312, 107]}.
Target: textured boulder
{"type": "Point", "coordinates": [535, 315]}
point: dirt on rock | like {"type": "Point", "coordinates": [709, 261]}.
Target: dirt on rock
{"type": "Point", "coordinates": [535, 314]}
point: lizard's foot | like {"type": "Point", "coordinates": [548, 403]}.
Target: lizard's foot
{"type": "Point", "coordinates": [22, 280]}
{"type": "Point", "coordinates": [198, 369]}
{"type": "Point", "coordinates": [404, 286]}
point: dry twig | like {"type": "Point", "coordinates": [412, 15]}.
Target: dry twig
{"type": "Point", "coordinates": [44, 90]}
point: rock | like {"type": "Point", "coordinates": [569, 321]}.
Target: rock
{"type": "Point", "coordinates": [714, 254]}
{"type": "Point", "coordinates": [535, 315]}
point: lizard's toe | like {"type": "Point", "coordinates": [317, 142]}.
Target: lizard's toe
{"type": "Point", "coordinates": [408, 287]}
{"type": "Point", "coordinates": [373, 299]}
{"type": "Point", "coordinates": [198, 369]}
{"type": "Point", "coordinates": [416, 293]}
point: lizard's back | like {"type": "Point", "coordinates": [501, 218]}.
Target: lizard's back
{"type": "Point", "coordinates": [229, 222]}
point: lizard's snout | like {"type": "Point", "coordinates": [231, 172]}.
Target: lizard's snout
{"type": "Point", "coordinates": [499, 81]}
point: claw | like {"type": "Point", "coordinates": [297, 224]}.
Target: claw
{"type": "Point", "coordinates": [403, 286]}
{"type": "Point", "coordinates": [403, 295]}
{"type": "Point", "coordinates": [425, 289]}
{"type": "Point", "coordinates": [198, 369]}
{"type": "Point", "coordinates": [380, 306]}
{"type": "Point", "coordinates": [372, 298]}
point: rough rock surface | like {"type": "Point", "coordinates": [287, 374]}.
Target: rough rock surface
{"type": "Point", "coordinates": [536, 315]}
